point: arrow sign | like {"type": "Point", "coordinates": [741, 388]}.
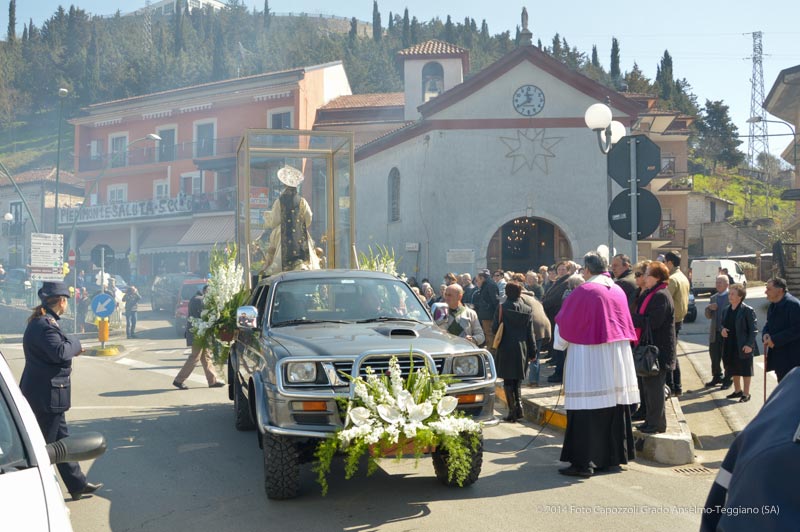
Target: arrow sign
{"type": "Point", "coordinates": [103, 305]}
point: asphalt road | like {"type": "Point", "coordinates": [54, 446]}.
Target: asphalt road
{"type": "Point", "coordinates": [175, 462]}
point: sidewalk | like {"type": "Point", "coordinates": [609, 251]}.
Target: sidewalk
{"type": "Point", "coordinates": [544, 404]}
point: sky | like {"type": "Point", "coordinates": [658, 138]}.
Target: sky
{"type": "Point", "coordinates": [710, 42]}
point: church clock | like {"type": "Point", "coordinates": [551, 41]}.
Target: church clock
{"type": "Point", "coordinates": [528, 100]}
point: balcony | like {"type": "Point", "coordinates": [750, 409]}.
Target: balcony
{"type": "Point", "coordinates": [668, 232]}
{"type": "Point", "coordinates": [221, 200]}
{"type": "Point", "coordinates": [162, 153]}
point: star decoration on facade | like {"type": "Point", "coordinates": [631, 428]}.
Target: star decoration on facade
{"type": "Point", "coordinates": [530, 148]}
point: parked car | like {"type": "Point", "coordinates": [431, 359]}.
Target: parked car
{"type": "Point", "coordinates": [691, 316]}
{"type": "Point", "coordinates": [705, 272]}
{"type": "Point", "coordinates": [188, 289]}
{"type": "Point", "coordinates": [29, 491]}
{"type": "Point", "coordinates": [304, 329]}
{"type": "Point", "coordinates": [165, 289]}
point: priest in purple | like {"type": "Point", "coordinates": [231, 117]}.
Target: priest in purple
{"type": "Point", "coordinates": [594, 326]}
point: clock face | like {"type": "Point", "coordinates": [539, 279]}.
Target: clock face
{"type": "Point", "coordinates": [528, 100]}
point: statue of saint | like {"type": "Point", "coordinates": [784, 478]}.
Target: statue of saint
{"type": "Point", "coordinates": [524, 19]}
{"type": "Point", "coordinates": [290, 244]}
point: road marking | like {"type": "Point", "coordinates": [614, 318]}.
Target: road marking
{"type": "Point", "coordinates": [157, 369]}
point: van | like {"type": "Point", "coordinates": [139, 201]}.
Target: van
{"type": "Point", "coordinates": [705, 272]}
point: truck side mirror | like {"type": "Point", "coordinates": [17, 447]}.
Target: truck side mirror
{"type": "Point", "coordinates": [247, 317]}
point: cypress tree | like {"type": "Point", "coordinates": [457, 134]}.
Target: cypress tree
{"type": "Point", "coordinates": [353, 34]}
{"type": "Point", "coordinates": [406, 30]}
{"type": "Point", "coordinates": [12, 22]}
{"type": "Point", "coordinates": [595, 59]}
{"type": "Point", "coordinates": [414, 32]}
{"type": "Point", "coordinates": [376, 22]}
{"type": "Point", "coordinates": [449, 34]}
{"type": "Point", "coordinates": [178, 28]}
{"type": "Point", "coordinates": [267, 15]}
{"type": "Point", "coordinates": [484, 30]}
{"type": "Point", "coordinates": [614, 71]}
{"type": "Point", "coordinates": [664, 77]}
{"type": "Point", "coordinates": [390, 25]}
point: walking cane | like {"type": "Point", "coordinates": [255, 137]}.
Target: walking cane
{"type": "Point", "coordinates": [766, 354]}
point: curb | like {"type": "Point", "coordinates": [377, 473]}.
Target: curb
{"type": "Point", "coordinates": [674, 447]}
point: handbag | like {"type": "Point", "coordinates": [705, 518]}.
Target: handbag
{"type": "Point", "coordinates": [498, 336]}
{"type": "Point", "coordinates": [645, 355]}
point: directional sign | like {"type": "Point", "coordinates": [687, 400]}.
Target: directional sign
{"type": "Point", "coordinates": [648, 210]}
{"type": "Point", "coordinates": [648, 160]}
{"type": "Point", "coordinates": [47, 257]}
{"type": "Point", "coordinates": [103, 305]}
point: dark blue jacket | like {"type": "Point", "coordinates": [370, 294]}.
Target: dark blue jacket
{"type": "Point", "coordinates": [783, 326]}
{"type": "Point", "coordinates": [48, 364]}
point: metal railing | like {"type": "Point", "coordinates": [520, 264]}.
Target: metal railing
{"type": "Point", "coordinates": [162, 153]}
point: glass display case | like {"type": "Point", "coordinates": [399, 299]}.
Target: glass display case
{"type": "Point", "coordinates": [325, 160]}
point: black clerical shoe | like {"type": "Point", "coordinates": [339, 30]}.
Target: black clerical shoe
{"type": "Point", "coordinates": [638, 416]}
{"type": "Point", "coordinates": [218, 384]}
{"type": "Point", "coordinates": [575, 471]}
{"type": "Point", "coordinates": [651, 430]}
{"type": "Point", "coordinates": [726, 385]}
{"type": "Point", "coordinates": [87, 490]}
{"type": "Point", "coordinates": [180, 385]}
{"type": "Point", "coordinates": [713, 382]}
{"type": "Point", "coordinates": [744, 398]}
{"type": "Point", "coordinates": [735, 395]}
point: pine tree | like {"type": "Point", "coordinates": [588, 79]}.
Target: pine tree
{"type": "Point", "coordinates": [614, 71]}
{"type": "Point", "coordinates": [406, 30]}
{"type": "Point", "coordinates": [12, 22]}
{"type": "Point", "coordinates": [376, 22]}
{"type": "Point", "coordinates": [637, 82]}
{"type": "Point", "coordinates": [595, 59]}
{"type": "Point", "coordinates": [718, 137]}
{"type": "Point", "coordinates": [556, 50]}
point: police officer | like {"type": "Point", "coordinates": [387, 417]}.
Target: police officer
{"type": "Point", "coordinates": [46, 378]}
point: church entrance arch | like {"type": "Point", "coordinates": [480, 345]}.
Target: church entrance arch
{"type": "Point", "coordinates": [526, 243]}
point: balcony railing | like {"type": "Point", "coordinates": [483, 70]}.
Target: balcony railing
{"type": "Point", "coordinates": [223, 199]}
{"type": "Point", "coordinates": [668, 231]}
{"type": "Point", "coordinates": [88, 162]}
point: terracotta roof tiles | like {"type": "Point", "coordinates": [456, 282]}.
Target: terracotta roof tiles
{"type": "Point", "coordinates": [433, 47]}
{"type": "Point", "coordinates": [355, 101]}
{"type": "Point", "coordinates": [47, 174]}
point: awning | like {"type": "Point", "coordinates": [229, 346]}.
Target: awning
{"type": "Point", "coordinates": [118, 239]}
{"type": "Point", "coordinates": [209, 230]}
{"type": "Point", "coordinates": [162, 239]}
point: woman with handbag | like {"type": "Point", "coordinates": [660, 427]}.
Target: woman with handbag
{"type": "Point", "coordinates": [739, 333]}
{"type": "Point", "coordinates": [513, 325]}
{"type": "Point", "coordinates": [656, 311]}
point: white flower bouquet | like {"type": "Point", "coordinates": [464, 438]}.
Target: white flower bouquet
{"type": "Point", "coordinates": [389, 414]}
{"type": "Point", "coordinates": [214, 329]}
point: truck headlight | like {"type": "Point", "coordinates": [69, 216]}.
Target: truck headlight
{"type": "Point", "coordinates": [300, 372]}
{"type": "Point", "coordinates": [468, 366]}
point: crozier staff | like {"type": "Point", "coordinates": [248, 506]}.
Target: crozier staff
{"type": "Point", "coordinates": [46, 379]}
{"type": "Point", "coordinates": [290, 244]}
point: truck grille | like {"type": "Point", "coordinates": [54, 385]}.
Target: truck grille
{"type": "Point", "coordinates": [380, 365]}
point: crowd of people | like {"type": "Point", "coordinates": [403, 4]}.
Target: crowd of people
{"type": "Point", "coordinates": [588, 318]}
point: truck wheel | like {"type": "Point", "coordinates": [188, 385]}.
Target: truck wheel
{"type": "Point", "coordinates": [440, 466]}
{"type": "Point", "coordinates": [241, 408]}
{"type": "Point", "coordinates": [281, 467]}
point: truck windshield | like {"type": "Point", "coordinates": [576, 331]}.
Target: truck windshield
{"type": "Point", "coordinates": [345, 299]}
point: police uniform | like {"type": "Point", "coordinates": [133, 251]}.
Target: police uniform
{"type": "Point", "coordinates": [46, 382]}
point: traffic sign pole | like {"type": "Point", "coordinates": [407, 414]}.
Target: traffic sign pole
{"type": "Point", "coordinates": [634, 186]}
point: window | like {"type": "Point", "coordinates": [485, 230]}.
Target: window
{"type": "Point", "coordinates": [166, 147]}
{"type": "Point", "coordinates": [713, 211]}
{"type": "Point", "coordinates": [118, 148]}
{"type": "Point", "coordinates": [394, 195]}
{"type": "Point", "coordinates": [95, 150]}
{"type": "Point", "coordinates": [118, 193]}
{"type": "Point", "coordinates": [204, 139]}
{"type": "Point", "coordinates": [667, 166]}
{"type": "Point", "coordinates": [192, 183]}
{"type": "Point", "coordinates": [432, 81]}
{"type": "Point", "coordinates": [161, 189]}
{"type": "Point", "coordinates": [281, 120]}
{"type": "Point", "coordinates": [169, 9]}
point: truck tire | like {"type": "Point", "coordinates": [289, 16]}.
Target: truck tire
{"type": "Point", "coordinates": [243, 419]}
{"type": "Point", "coordinates": [281, 467]}
{"type": "Point", "coordinates": [440, 467]}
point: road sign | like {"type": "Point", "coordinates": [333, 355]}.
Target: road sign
{"type": "Point", "coordinates": [104, 252]}
{"type": "Point", "coordinates": [71, 258]}
{"type": "Point", "coordinates": [103, 305]}
{"type": "Point", "coordinates": [648, 219]}
{"type": "Point", "coordinates": [47, 257]}
{"type": "Point", "coordinates": [648, 160]}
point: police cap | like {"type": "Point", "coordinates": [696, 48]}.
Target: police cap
{"type": "Point", "coordinates": [53, 289]}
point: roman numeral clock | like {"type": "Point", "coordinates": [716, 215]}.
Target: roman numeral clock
{"type": "Point", "coordinates": [528, 100]}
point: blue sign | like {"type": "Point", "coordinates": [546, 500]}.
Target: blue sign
{"type": "Point", "coordinates": [103, 305]}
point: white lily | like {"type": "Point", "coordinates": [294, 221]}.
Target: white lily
{"type": "Point", "coordinates": [446, 405]}
{"type": "Point", "coordinates": [405, 400]}
{"type": "Point", "coordinates": [420, 412]}
{"type": "Point", "coordinates": [359, 416]}
{"type": "Point", "coordinates": [390, 414]}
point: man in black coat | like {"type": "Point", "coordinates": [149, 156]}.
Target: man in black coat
{"type": "Point", "coordinates": [781, 333]}
{"type": "Point", "coordinates": [623, 276]}
{"type": "Point", "coordinates": [552, 301]}
{"type": "Point", "coordinates": [486, 301]}
{"type": "Point", "coordinates": [46, 382]}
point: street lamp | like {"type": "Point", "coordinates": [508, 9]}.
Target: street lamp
{"type": "Point", "coordinates": [598, 118]}
{"type": "Point", "coordinates": [756, 119]}
{"type": "Point", "coordinates": [62, 93]}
